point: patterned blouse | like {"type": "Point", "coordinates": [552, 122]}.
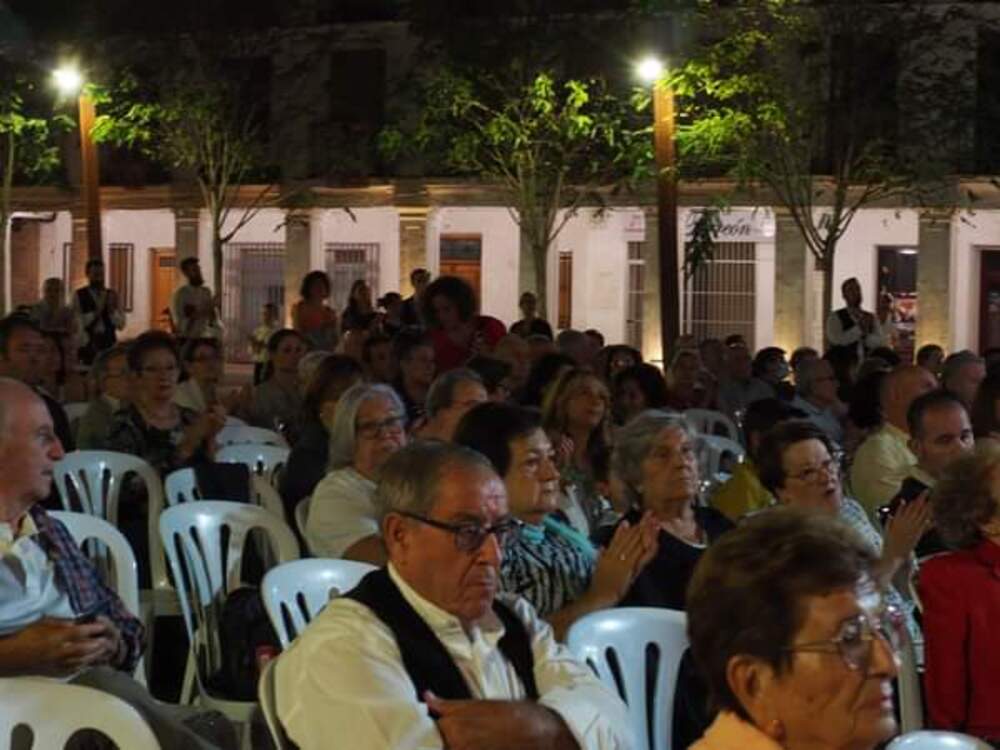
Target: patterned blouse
{"type": "Point", "coordinates": [130, 433]}
{"type": "Point", "coordinates": [547, 567]}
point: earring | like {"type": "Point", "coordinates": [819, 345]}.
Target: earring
{"type": "Point", "coordinates": [776, 730]}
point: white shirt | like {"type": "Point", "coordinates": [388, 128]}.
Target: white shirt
{"type": "Point", "coordinates": [341, 512]}
{"type": "Point", "coordinates": [344, 678]}
{"type": "Point", "coordinates": [28, 590]}
{"type": "Point", "coordinates": [838, 336]}
{"type": "Point", "coordinates": [200, 298]}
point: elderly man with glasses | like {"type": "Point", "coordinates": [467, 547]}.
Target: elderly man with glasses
{"type": "Point", "coordinates": [422, 654]}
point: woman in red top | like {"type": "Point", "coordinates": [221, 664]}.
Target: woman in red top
{"type": "Point", "coordinates": [961, 596]}
{"type": "Point", "coordinates": [312, 316]}
{"type": "Point", "coordinates": [457, 332]}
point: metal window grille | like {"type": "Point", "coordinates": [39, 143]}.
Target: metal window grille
{"type": "Point", "coordinates": [347, 262]}
{"type": "Point", "coordinates": [635, 296]}
{"type": "Point", "coordinates": [565, 290]}
{"type": "Point", "coordinates": [719, 298]}
{"type": "Point", "coordinates": [253, 275]}
{"type": "Point", "coordinates": [121, 257]}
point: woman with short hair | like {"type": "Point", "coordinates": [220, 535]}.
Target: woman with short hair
{"type": "Point", "coordinates": [960, 592]}
{"type": "Point", "coordinates": [788, 627]}
{"type": "Point", "coordinates": [456, 330]}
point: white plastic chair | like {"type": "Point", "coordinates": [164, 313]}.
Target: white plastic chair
{"type": "Point", "coordinates": [55, 711]}
{"type": "Point", "coordinates": [716, 454]}
{"type": "Point", "coordinates": [709, 422]}
{"type": "Point", "coordinates": [936, 740]}
{"type": "Point", "coordinates": [294, 593]}
{"type": "Point", "coordinates": [617, 644]}
{"type": "Point", "coordinates": [243, 434]}
{"type": "Point", "coordinates": [182, 487]}
{"type": "Point", "coordinates": [263, 460]}
{"type": "Point", "coordinates": [204, 542]}
{"type": "Point", "coordinates": [267, 695]}
{"type": "Point", "coordinates": [124, 571]}
{"type": "Point", "coordinates": [911, 707]}
{"type": "Point", "coordinates": [302, 515]}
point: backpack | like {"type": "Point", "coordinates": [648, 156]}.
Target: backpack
{"type": "Point", "coordinates": [243, 627]}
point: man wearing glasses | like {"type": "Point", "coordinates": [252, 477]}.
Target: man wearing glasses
{"type": "Point", "coordinates": [421, 654]}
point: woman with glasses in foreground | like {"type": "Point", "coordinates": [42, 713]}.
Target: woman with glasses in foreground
{"type": "Point", "coordinates": [369, 426]}
{"type": "Point", "coordinates": [788, 626]}
{"type": "Point", "coordinates": [798, 465]}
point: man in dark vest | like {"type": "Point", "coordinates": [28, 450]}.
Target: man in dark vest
{"type": "Point", "coordinates": [98, 313]}
{"type": "Point", "coordinates": [851, 327]}
{"type": "Point", "coordinates": [424, 653]}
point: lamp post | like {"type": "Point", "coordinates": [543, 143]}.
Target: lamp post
{"type": "Point", "coordinates": [69, 81]}
{"type": "Point", "coordinates": [651, 72]}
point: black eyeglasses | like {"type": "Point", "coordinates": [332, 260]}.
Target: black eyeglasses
{"type": "Point", "coordinates": [857, 638]}
{"type": "Point", "coordinates": [469, 537]}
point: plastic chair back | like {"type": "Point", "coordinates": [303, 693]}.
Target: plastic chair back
{"type": "Point", "coordinates": [124, 572]}
{"type": "Point", "coordinates": [181, 486]}
{"type": "Point", "coordinates": [243, 434]}
{"type": "Point", "coordinates": [204, 543]}
{"type": "Point", "coordinates": [935, 740]}
{"type": "Point", "coordinates": [911, 707]}
{"type": "Point", "coordinates": [294, 593]}
{"type": "Point", "coordinates": [267, 696]}
{"type": "Point", "coordinates": [93, 479]}
{"type": "Point", "coordinates": [54, 711]}
{"type": "Point", "coordinates": [263, 460]}
{"type": "Point", "coordinates": [709, 422]}
{"type": "Point", "coordinates": [302, 515]}
{"type": "Point", "coordinates": [717, 454]}
{"type": "Point", "coordinates": [624, 646]}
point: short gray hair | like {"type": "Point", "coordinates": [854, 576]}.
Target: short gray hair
{"type": "Point", "coordinates": [343, 438]}
{"type": "Point", "coordinates": [955, 362]}
{"type": "Point", "coordinates": [410, 479]}
{"type": "Point", "coordinates": [442, 391]}
{"type": "Point", "coordinates": [634, 441]}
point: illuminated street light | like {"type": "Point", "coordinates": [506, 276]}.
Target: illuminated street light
{"type": "Point", "coordinates": [68, 80]}
{"type": "Point", "coordinates": [650, 69]}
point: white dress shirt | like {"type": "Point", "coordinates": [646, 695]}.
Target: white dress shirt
{"type": "Point", "coordinates": [838, 336]}
{"type": "Point", "coordinates": [188, 327]}
{"type": "Point", "coordinates": [341, 512]}
{"type": "Point", "coordinates": [28, 590]}
{"type": "Point", "coordinates": [343, 680]}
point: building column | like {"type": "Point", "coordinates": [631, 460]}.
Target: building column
{"type": "Point", "coordinates": [412, 244]}
{"type": "Point", "coordinates": [791, 321]}
{"type": "Point", "coordinates": [298, 257]}
{"type": "Point", "coordinates": [185, 239]}
{"type": "Point", "coordinates": [934, 279]}
{"type": "Point", "coordinates": [78, 251]}
{"type": "Point", "coordinates": [652, 341]}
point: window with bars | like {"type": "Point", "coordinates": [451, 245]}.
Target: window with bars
{"type": "Point", "coordinates": [121, 262]}
{"type": "Point", "coordinates": [253, 275]}
{"type": "Point", "coordinates": [719, 298]}
{"type": "Point", "coordinates": [565, 290]}
{"type": "Point", "coordinates": [635, 296]}
{"type": "Point", "coordinates": [347, 262]}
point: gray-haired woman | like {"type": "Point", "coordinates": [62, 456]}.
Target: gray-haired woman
{"type": "Point", "coordinates": [369, 426]}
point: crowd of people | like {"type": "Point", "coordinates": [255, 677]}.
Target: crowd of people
{"type": "Point", "coordinates": [506, 482]}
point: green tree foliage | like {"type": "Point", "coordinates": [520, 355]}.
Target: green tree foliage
{"type": "Point", "coordinates": [551, 145]}
{"type": "Point", "coordinates": [829, 107]}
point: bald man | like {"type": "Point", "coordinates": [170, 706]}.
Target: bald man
{"type": "Point", "coordinates": [884, 459]}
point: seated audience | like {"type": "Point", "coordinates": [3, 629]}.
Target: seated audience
{"type": "Point", "coordinates": [798, 648]}
{"type": "Point", "coordinates": [931, 358]}
{"type": "Point", "coordinates": [738, 387]}
{"type": "Point", "coordinates": [530, 324]}
{"type": "Point", "coordinates": [713, 357]}
{"type": "Point", "coordinates": [864, 413]}
{"type": "Point", "coordinates": [360, 313]}
{"type": "Point", "coordinates": [51, 313]}
{"type": "Point", "coordinates": [743, 493]}
{"type": "Point", "coordinates": [376, 356]}
{"type": "Point", "coordinates": [457, 332]}
{"type": "Point", "coordinates": [577, 417]}
{"type": "Point", "coordinates": [800, 356]}
{"type": "Point", "coordinates": [114, 390]}
{"type": "Point", "coordinates": [59, 379]}
{"type": "Point", "coordinates": [961, 373]}
{"type": "Point", "coordinates": [551, 565]}
{"type": "Point", "coordinates": [369, 426]}
{"type": "Point", "coordinates": [413, 657]}
{"type": "Point", "coordinates": [636, 389]}
{"type": "Point", "coordinates": [539, 346]}
{"type": "Point", "coordinates": [414, 354]}
{"type": "Point", "coordinates": [985, 411]}
{"type": "Point", "coordinates": [771, 368]}
{"type": "Point", "coordinates": [545, 371]}
{"type": "Point", "coordinates": [450, 396]}
{"type": "Point", "coordinates": [516, 352]}
{"type": "Point", "coordinates": [496, 376]}
{"type": "Point", "coordinates": [575, 345]}
{"type": "Point", "coordinates": [47, 585]}
{"type": "Point", "coordinates": [816, 397]}
{"type": "Point", "coordinates": [689, 386]}
{"type": "Point", "coordinates": [797, 464]}
{"type": "Point", "coordinates": [883, 460]}
{"type": "Point", "coordinates": [613, 359]}
{"type": "Point", "coordinates": [276, 403]}
{"type": "Point", "coordinates": [309, 456]}
{"type": "Point", "coordinates": [655, 460]}
{"type": "Point", "coordinates": [960, 592]}
{"type": "Point", "coordinates": [391, 319]}
{"type": "Point", "coordinates": [203, 364]}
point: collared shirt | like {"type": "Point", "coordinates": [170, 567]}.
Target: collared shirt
{"type": "Point", "coordinates": [341, 512]}
{"type": "Point", "coordinates": [838, 335]}
{"type": "Point", "coordinates": [65, 574]}
{"type": "Point", "coordinates": [344, 677]}
{"type": "Point", "coordinates": [822, 417]}
{"type": "Point", "coordinates": [880, 465]}
{"type": "Point", "coordinates": [197, 298]}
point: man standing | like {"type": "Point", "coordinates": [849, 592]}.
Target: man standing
{"type": "Point", "coordinates": [192, 307]}
{"type": "Point", "coordinates": [422, 653]}
{"type": "Point", "coordinates": [412, 311]}
{"type": "Point", "coordinates": [530, 323]}
{"type": "Point", "coordinates": [98, 313]}
{"type": "Point", "coordinates": [57, 618]}
{"type": "Point", "coordinates": [852, 327]}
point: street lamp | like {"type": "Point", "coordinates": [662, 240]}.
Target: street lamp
{"type": "Point", "coordinates": [651, 71]}
{"type": "Point", "coordinates": [69, 81]}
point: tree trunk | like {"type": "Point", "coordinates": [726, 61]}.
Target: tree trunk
{"type": "Point", "coordinates": [539, 257]}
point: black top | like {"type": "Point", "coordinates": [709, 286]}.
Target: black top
{"type": "Point", "coordinates": [306, 466]}
{"type": "Point", "coordinates": [524, 329]}
{"type": "Point", "coordinates": [931, 542]}
{"type": "Point", "coordinates": [663, 582]}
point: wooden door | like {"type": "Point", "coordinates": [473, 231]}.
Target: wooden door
{"type": "Point", "coordinates": [465, 269]}
{"type": "Point", "coordinates": [461, 255]}
{"type": "Point", "coordinates": [163, 261]}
